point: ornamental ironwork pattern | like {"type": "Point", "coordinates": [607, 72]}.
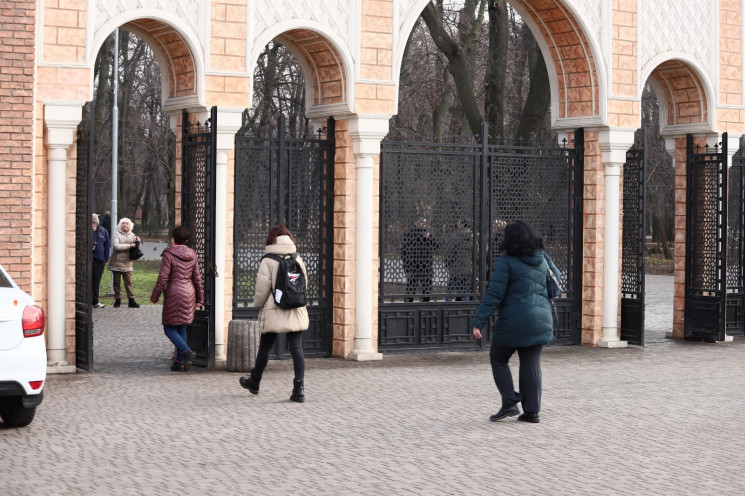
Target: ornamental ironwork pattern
{"type": "Point", "coordinates": [706, 231]}
{"type": "Point", "coordinates": [736, 246]}
{"type": "Point", "coordinates": [443, 206]}
{"type": "Point", "coordinates": [288, 181]}
{"type": "Point", "coordinates": [198, 157]}
{"type": "Point", "coordinates": [84, 244]}
{"type": "Point", "coordinates": [632, 247]}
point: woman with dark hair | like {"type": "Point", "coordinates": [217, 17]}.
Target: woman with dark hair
{"type": "Point", "coordinates": [181, 284]}
{"type": "Point", "coordinates": [517, 291]}
{"type": "Point", "coordinates": [273, 319]}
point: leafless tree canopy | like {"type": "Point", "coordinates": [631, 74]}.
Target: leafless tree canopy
{"type": "Point", "coordinates": [145, 142]}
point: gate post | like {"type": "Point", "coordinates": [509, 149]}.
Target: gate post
{"type": "Point", "coordinates": [60, 122]}
{"type": "Point", "coordinates": [613, 144]}
{"type": "Point", "coordinates": [366, 134]}
{"type": "Point", "coordinates": [228, 123]}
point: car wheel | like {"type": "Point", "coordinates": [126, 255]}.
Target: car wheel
{"type": "Point", "coordinates": [13, 413]}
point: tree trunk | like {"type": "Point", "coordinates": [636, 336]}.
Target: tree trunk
{"type": "Point", "coordinates": [496, 67]}
{"type": "Point", "coordinates": [536, 107]}
{"type": "Point", "coordinates": [457, 67]}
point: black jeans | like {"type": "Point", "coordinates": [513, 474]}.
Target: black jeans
{"type": "Point", "coordinates": [98, 267]}
{"type": "Point", "coordinates": [530, 375]}
{"type": "Point", "coordinates": [295, 343]}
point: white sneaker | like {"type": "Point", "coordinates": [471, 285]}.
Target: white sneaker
{"type": "Point", "coordinates": [99, 305]}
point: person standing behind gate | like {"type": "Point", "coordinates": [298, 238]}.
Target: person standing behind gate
{"type": "Point", "coordinates": [120, 264]}
{"type": "Point", "coordinates": [101, 247]}
{"type": "Point", "coordinates": [459, 260]}
{"type": "Point", "coordinates": [517, 291]}
{"type": "Point", "coordinates": [417, 253]}
{"type": "Point", "coordinates": [274, 319]}
{"type": "Point", "coordinates": [180, 282]}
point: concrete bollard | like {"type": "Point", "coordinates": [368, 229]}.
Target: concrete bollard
{"type": "Point", "coordinates": [243, 343]}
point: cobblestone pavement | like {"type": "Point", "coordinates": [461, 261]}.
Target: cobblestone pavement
{"type": "Point", "coordinates": [664, 419]}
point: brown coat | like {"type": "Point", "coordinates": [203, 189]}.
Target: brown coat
{"type": "Point", "coordinates": [273, 318]}
{"type": "Point", "coordinates": [121, 242]}
{"type": "Point", "coordinates": [181, 282]}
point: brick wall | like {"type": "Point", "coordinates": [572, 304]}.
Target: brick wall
{"type": "Point", "coordinates": [17, 38]}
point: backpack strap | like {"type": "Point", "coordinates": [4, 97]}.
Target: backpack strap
{"type": "Point", "coordinates": [272, 256]}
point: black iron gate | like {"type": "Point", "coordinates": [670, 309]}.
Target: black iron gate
{"type": "Point", "coordinates": [288, 181]}
{"type": "Point", "coordinates": [736, 247]}
{"type": "Point", "coordinates": [633, 245]}
{"type": "Point", "coordinates": [706, 240]}
{"type": "Point", "coordinates": [198, 155]}
{"type": "Point", "coordinates": [83, 243]}
{"type": "Point", "coordinates": [442, 209]}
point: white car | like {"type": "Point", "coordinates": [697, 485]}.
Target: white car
{"type": "Point", "coordinates": [23, 354]}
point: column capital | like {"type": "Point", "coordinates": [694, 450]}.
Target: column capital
{"type": "Point", "coordinates": [229, 121]}
{"type": "Point", "coordinates": [614, 143]}
{"type": "Point", "coordinates": [366, 133]}
{"type": "Point", "coordinates": [61, 119]}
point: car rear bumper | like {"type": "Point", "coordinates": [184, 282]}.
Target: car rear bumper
{"type": "Point", "coordinates": [12, 388]}
{"type": "Point", "coordinates": [27, 362]}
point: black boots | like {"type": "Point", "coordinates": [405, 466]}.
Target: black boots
{"type": "Point", "coordinates": [250, 383]}
{"type": "Point", "coordinates": [504, 412]}
{"type": "Point", "coordinates": [531, 417]}
{"type": "Point", "coordinates": [117, 303]}
{"type": "Point", "coordinates": [297, 391]}
{"type": "Point", "coordinates": [132, 303]}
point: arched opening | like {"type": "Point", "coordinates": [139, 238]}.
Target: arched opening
{"type": "Point", "coordinates": [675, 101]}
{"type": "Point", "coordinates": [284, 173]}
{"type": "Point", "coordinates": [135, 150]}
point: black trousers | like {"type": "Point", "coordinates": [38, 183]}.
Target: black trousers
{"type": "Point", "coordinates": [530, 375]}
{"type": "Point", "coordinates": [295, 343]}
{"type": "Point", "coordinates": [419, 278]}
{"type": "Point", "coordinates": [98, 267]}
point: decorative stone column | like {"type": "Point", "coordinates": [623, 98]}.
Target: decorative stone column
{"type": "Point", "coordinates": [61, 120]}
{"type": "Point", "coordinates": [366, 134]}
{"type": "Point", "coordinates": [613, 144]}
{"type": "Point", "coordinates": [228, 123]}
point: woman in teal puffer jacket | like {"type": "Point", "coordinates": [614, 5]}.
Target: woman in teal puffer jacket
{"type": "Point", "coordinates": [517, 291]}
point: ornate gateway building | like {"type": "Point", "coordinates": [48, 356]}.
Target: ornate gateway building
{"type": "Point", "coordinates": [599, 55]}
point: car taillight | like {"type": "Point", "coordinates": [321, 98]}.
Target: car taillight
{"type": "Point", "coordinates": [33, 321]}
{"type": "Point", "coordinates": [35, 384]}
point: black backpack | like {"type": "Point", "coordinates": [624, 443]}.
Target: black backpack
{"type": "Point", "coordinates": [289, 287]}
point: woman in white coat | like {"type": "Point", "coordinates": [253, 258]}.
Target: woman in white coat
{"type": "Point", "coordinates": [120, 264]}
{"type": "Point", "coordinates": [273, 319]}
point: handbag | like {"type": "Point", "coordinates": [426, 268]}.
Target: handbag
{"type": "Point", "coordinates": [135, 253]}
{"type": "Point", "coordinates": [554, 289]}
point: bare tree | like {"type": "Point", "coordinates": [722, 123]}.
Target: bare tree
{"type": "Point", "coordinates": [145, 145]}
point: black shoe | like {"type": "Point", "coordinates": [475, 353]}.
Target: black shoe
{"type": "Point", "coordinates": [297, 391]}
{"type": "Point", "coordinates": [188, 357]}
{"type": "Point", "coordinates": [177, 367]}
{"type": "Point", "coordinates": [249, 383]}
{"type": "Point", "coordinates": [133, 303]}
{"type": "Point", "coordinates": [117, 303]}
{"type": "Point", "coordinates": [531, 417]}
{"type": "Point", "coordinates": [505, 412]}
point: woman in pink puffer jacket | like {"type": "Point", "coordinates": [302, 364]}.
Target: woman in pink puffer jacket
{"type": "Point", "coordinates": [181, 284]}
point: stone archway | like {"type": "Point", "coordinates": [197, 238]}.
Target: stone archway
{"type": "Point", "coordinates": [63, 87]}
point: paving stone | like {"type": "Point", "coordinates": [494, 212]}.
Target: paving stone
{"type": "Point", "coordinates": [663, 419]}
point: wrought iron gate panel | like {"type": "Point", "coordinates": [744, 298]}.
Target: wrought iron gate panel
{"type": "Point", "coordinates": [538, 186]}
{"type": "Point", "coordinates": [439, 203]}
{"type": "Point", "coordinates": [84, 243]}
{"type": "Point", "coordinates": [736, 246]}
{"type": "Point", "coordinates": [288, 181]}
{"type": "Point", "coordinates": [198, 157]}
{"type": "Point", "coordinates": [706, 231]}
{"type": "Point", "coordinates": [632, 251]}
